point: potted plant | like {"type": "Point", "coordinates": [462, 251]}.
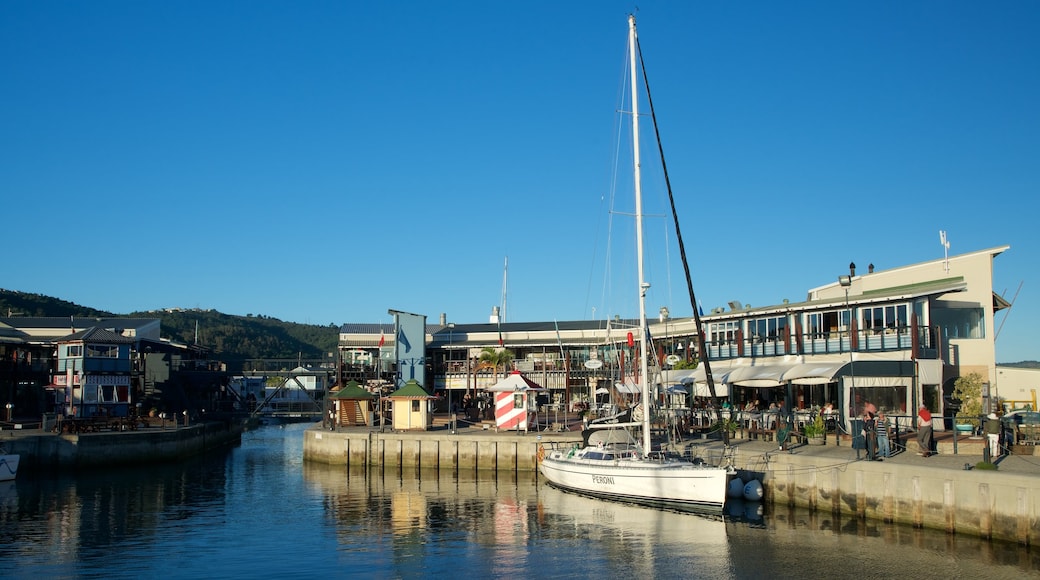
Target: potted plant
{"type": "Point", "coordinates": [815, 430]}
{"type": "Point", "coordinates": [726, 426]}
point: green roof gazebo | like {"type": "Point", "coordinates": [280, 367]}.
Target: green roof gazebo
{"type": "Point", "coordinates": [353, 406]}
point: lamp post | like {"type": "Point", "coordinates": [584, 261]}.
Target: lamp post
{"type": "Point", "coordinates": [845, 282]}
{"type": "Point", "coordinates": [448, 378]}
{"type": "Point", "coordinates": [10, 411]}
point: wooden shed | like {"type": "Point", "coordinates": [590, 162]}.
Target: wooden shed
{"type": "Point", "coordinates": [353, 406]}
{"type": "Point", "coordinates": [412, 407]}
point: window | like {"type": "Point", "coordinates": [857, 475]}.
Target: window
{"type": "Point", "coordinates": [723, 332]}
{"type": "Point", "coordinates": [415, 405]}
{"type": "Point", "coordinates": [74, 350]}
{"type": "Point", "coordinates": [769, 329]}
{"type": "Point", "coordinates": [102, 351]}
{"type": "Point", "coordinates": [821, 324]}
{"type": "Point", "coordinates": [960, 322]}
{"type": "Point", "coordinates": [891, 317]}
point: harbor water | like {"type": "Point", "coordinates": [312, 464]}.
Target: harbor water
{"type": "Point", "coordinates": [259, 511]}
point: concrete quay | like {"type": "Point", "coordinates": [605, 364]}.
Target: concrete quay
{"type": "Point", "coordinates": [41, 450]}
{"type": "Point", "coordinates": [944, 491]}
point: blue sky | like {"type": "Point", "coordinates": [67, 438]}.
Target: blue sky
{"type": "Point", "coordinates": [323, 162]}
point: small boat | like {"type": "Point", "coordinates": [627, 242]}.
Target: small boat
{"type": "Point", "coordinates": [8, 465]}
{"type": "Point", "coordinates": [611, 463]}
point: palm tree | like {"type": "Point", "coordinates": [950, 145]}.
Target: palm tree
{"type": "Point", "coordinates": [493, 357]}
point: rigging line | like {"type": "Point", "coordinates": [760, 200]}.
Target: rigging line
{"type": "Point", "coordinates": [1008, 313]}
{"type": "Point", "coordinates": [619, 126]}
{"type": "Point", "coordinates": [701, 344]}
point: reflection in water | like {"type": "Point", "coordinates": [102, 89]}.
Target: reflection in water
{"type": "Point", "coordinates": [259, 511]}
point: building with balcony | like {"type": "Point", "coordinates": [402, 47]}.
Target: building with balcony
{"type": "Point", "coordinates": [894, 338]}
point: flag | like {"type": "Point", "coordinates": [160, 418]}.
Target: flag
{"type": "Point", "coordinates": [403, 340]}
{"type": "Point", "coordinates": [382, 339]}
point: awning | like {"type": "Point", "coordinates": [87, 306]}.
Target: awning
{"type": "Point", "coordinates": [515, 382]}
{"type": "Point", "coordinates": [818, 373]}
{"type": "Point", "coordinates": [677, 390]}
{"type": "Point", "coordinates": [699, 379]}
{"type": "Point", "coordinates": [628, 387]}
{"type": "Point", "coordinates": [758, 376]}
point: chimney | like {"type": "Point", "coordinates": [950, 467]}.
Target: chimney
{"type": "Point", "coordinates": [870, 268]}
{"type": "Point", "coordinates": [444, 318]}
{"type": "Point", "coordinates": [852, 269]}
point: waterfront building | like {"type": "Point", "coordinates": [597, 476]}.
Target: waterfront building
{"type": "Point", "coordinates": [92, 378]}
{"type": "Point", "coordinates": [35, 358]}
{"type": "Point", "coordinates": [894, 338]}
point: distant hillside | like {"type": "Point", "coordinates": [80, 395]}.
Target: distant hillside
{"type": "Point", "coordinates": [1026, 364]}
{"type": "Point", "coordinates": [14, 303]}
{"type": "Point", "coordinates": [230, 337]}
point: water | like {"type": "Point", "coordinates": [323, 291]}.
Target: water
{"type": "Point", "coordinates": [258, 511]}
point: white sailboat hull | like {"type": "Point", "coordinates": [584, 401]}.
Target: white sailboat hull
{"type": "Point", "coordinates": [657, 482]}
{"type": "Point", "coordinates": [8, 467]}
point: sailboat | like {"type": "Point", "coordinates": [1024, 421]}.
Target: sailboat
{"type": "Point", "coordinates": [612, 464]}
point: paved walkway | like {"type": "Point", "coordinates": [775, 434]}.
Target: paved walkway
{"type": "Point", "coordinates": [969, 453]}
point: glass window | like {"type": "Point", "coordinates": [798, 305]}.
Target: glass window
{"type": "Point", "coordinates": [74, 350]}
{"type": "Point", "coordinates": [769, 329]}
{"type": "Point", "coordinates": [102, 351]}
{"type": "Point", "coordinates": [960, 322]}
{"type": "Point", "coordinates": [723, 332]}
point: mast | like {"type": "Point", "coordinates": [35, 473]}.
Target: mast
{"type": "Point", "coordinates": [643, 285]}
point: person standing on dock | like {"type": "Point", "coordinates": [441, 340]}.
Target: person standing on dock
{"type": "Point", "coordinates": [924, 431]}
{"type": "Point", "coordinates": [870, 435]}
{"type": "Point", "coordinates": [884, 446]}
{"type": "Point", "coordinates": [993, 435]}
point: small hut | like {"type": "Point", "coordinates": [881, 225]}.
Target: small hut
{"type": "Point", "coordinates": [515, 401]}
{"type": "Point", "coordinates": [412, 407]}
{"type": "Point", "coordinates": [352, 406]}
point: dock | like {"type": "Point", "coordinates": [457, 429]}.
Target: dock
{"type": "Point", "coordinates": [947, 491]}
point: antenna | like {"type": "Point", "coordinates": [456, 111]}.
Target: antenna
{"type": "Point", "coordinates": [946, 249]}
{"type": "Point", "coordinates": [505, 287]}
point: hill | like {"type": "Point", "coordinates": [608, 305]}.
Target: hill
{"type": "Point", "coordinates": [230, 337]}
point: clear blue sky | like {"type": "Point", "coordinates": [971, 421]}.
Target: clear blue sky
{"type": "Point", "coordinates": [323, 162]}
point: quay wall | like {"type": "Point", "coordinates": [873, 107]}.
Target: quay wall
{"type": "Point", "coordinates": [989, 504]}
{"type": "Point", "coordinates": [48, 451]}
{"type": "Point", "coordinates": [983, 503]}
{"type": "Point", "coordinates": [482, 451]}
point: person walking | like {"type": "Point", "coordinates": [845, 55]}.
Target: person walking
{"type": "Point", "coordinates": [924, 431]}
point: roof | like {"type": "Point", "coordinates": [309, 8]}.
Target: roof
{"type": "Point", "coordinates": [411, 390]}
{"type": "Point", "coordinates": [352, 390]}
{"type": "Point", "coordinates": [97, 335]}
{"type": "Point", "coordinates": [515, 382]}
{"type": "Point", "coordinates": [67, 322]}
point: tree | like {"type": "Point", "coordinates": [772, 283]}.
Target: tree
{"type": "Point", "coordinates": [493, 357]}
{"type": "Point", "coordinates": [968, 391]}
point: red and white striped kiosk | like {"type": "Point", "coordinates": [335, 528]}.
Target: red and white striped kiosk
{"type": "Point", "coordinates": [515, 404]}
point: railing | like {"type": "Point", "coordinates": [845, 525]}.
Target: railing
{"type": "Point", "coordinates": [888, 339]}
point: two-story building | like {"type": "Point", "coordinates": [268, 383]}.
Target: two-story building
{"type": "Point", "coordinates": [894, 338]}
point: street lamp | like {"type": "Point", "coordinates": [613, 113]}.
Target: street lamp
{"type": "Point", "coordinates": [10, 408]}
{"type": "Point", "coordinates": [448, 378]}
{"type": "Point", "coordinates": [846, 281]}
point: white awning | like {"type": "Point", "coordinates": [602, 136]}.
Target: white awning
{"type": "Point", "coordinates": [628, 387]}
{"type": "Point", "coordinates": [758, 376]}
{"type": "Point", "coordinates": [818, 373]}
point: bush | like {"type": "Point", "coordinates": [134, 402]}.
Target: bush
{"type": "Point", "coordinates": [816, 428]}
{"type": "Point", "coordinates": [986, 465]}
